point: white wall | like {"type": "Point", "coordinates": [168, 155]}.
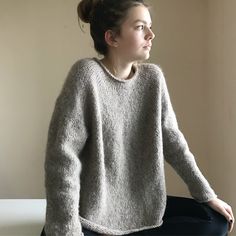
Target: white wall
{"type": "Point", "coordinates": [39, 42]}
{"type": "Point", "coordinates": [221, 79]}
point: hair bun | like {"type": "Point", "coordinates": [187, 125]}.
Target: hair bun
{"type": "Point", "coordinates": [85, 9]}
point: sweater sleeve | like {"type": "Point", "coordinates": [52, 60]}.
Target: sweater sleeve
{"type": "Point", "coordinates": [177, 153]}
{"type": "Point", "coordinates": [66, 138]}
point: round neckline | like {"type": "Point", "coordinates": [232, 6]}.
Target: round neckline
{"type": "Point", "coordinates": [132, 78]}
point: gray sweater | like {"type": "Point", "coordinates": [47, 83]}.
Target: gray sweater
{"type": "Point", "coordinates": [107, 142]}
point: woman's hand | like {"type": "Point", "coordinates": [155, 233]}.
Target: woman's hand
{"type": "Point", "coordinates": [221, 207]}
{"type": "Point", "coordinates": [224, 209]}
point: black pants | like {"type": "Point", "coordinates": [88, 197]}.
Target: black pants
{"type": "Point", "coordinates": [185, 217]}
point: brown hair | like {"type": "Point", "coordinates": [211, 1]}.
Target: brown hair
{"type": "Point", "coordinates": [105, 15]}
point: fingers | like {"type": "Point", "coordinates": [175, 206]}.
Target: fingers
{"type": "Point", "coordinates": [229, 210]}
{"type": "Point", "coordinates": [224, 209]}
{"type": "Point", "coordinates": [230, 216]}
{"type": "Point", "coordinates": [231, 226]}
{"type": "Point", "coordinates": [231, 220]}
{"type": "Point", "coordinates": [228, 213]}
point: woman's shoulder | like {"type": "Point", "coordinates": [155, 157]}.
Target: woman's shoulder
{"type": "Point", "coordinates": [83, 70]}
{"type": "Point", "coordinates": [85, 65]}
{"type": "Point", "coordinates": [151, 69]}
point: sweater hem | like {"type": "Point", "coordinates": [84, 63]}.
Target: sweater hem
{"type": "Point", "coordinates": [104, 230]}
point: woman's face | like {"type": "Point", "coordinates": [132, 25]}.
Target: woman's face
{"type": "Point", "coordinates": [135, 39]}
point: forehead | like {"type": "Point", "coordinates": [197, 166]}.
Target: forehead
{"type": "Point", "coordinates": [138, 13]}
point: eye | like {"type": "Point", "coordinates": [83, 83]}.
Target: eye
{"type": "Point", "coordinates": [140, 27]}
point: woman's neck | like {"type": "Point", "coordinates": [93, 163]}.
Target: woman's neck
{"type": "Point", "coordinates": [117, 68]}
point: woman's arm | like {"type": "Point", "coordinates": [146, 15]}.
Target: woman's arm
{"type": "Point", "coordinates": [178, 155]}
{"type": "Point", "coordinates": [66, 137]}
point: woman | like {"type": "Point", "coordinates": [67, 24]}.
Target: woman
{"type": "Point", "coordinates": [112, 128]}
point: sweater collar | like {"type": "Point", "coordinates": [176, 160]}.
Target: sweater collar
{"type": "Point", "coordinates": [130, 80]}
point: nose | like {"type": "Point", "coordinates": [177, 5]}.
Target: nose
{"type": "Point", "coordinates": [149, 35]}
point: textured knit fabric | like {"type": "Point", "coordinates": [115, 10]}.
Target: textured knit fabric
{"type": "Point", "coordinates": [107, 142]}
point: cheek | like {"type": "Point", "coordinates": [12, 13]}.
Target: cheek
{"type": "Point", "coordinates": [133, 42]}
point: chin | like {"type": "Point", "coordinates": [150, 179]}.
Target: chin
{"type": "Point", "coordinates": [147, 57]}
{"type": "Point", "coordinates": [140, 57]}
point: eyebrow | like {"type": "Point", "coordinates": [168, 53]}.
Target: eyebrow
{"type": "Point", "coordinates": [143, 21]}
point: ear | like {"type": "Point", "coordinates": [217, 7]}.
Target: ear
{"type": "Point", "coordinates": [110, 38]}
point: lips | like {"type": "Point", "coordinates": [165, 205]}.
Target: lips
{"type": "Point", "coordinates": [148, 45]}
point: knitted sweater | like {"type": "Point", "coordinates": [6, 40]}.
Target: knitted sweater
{"type": "Point", "coordinates": [107, 142]}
